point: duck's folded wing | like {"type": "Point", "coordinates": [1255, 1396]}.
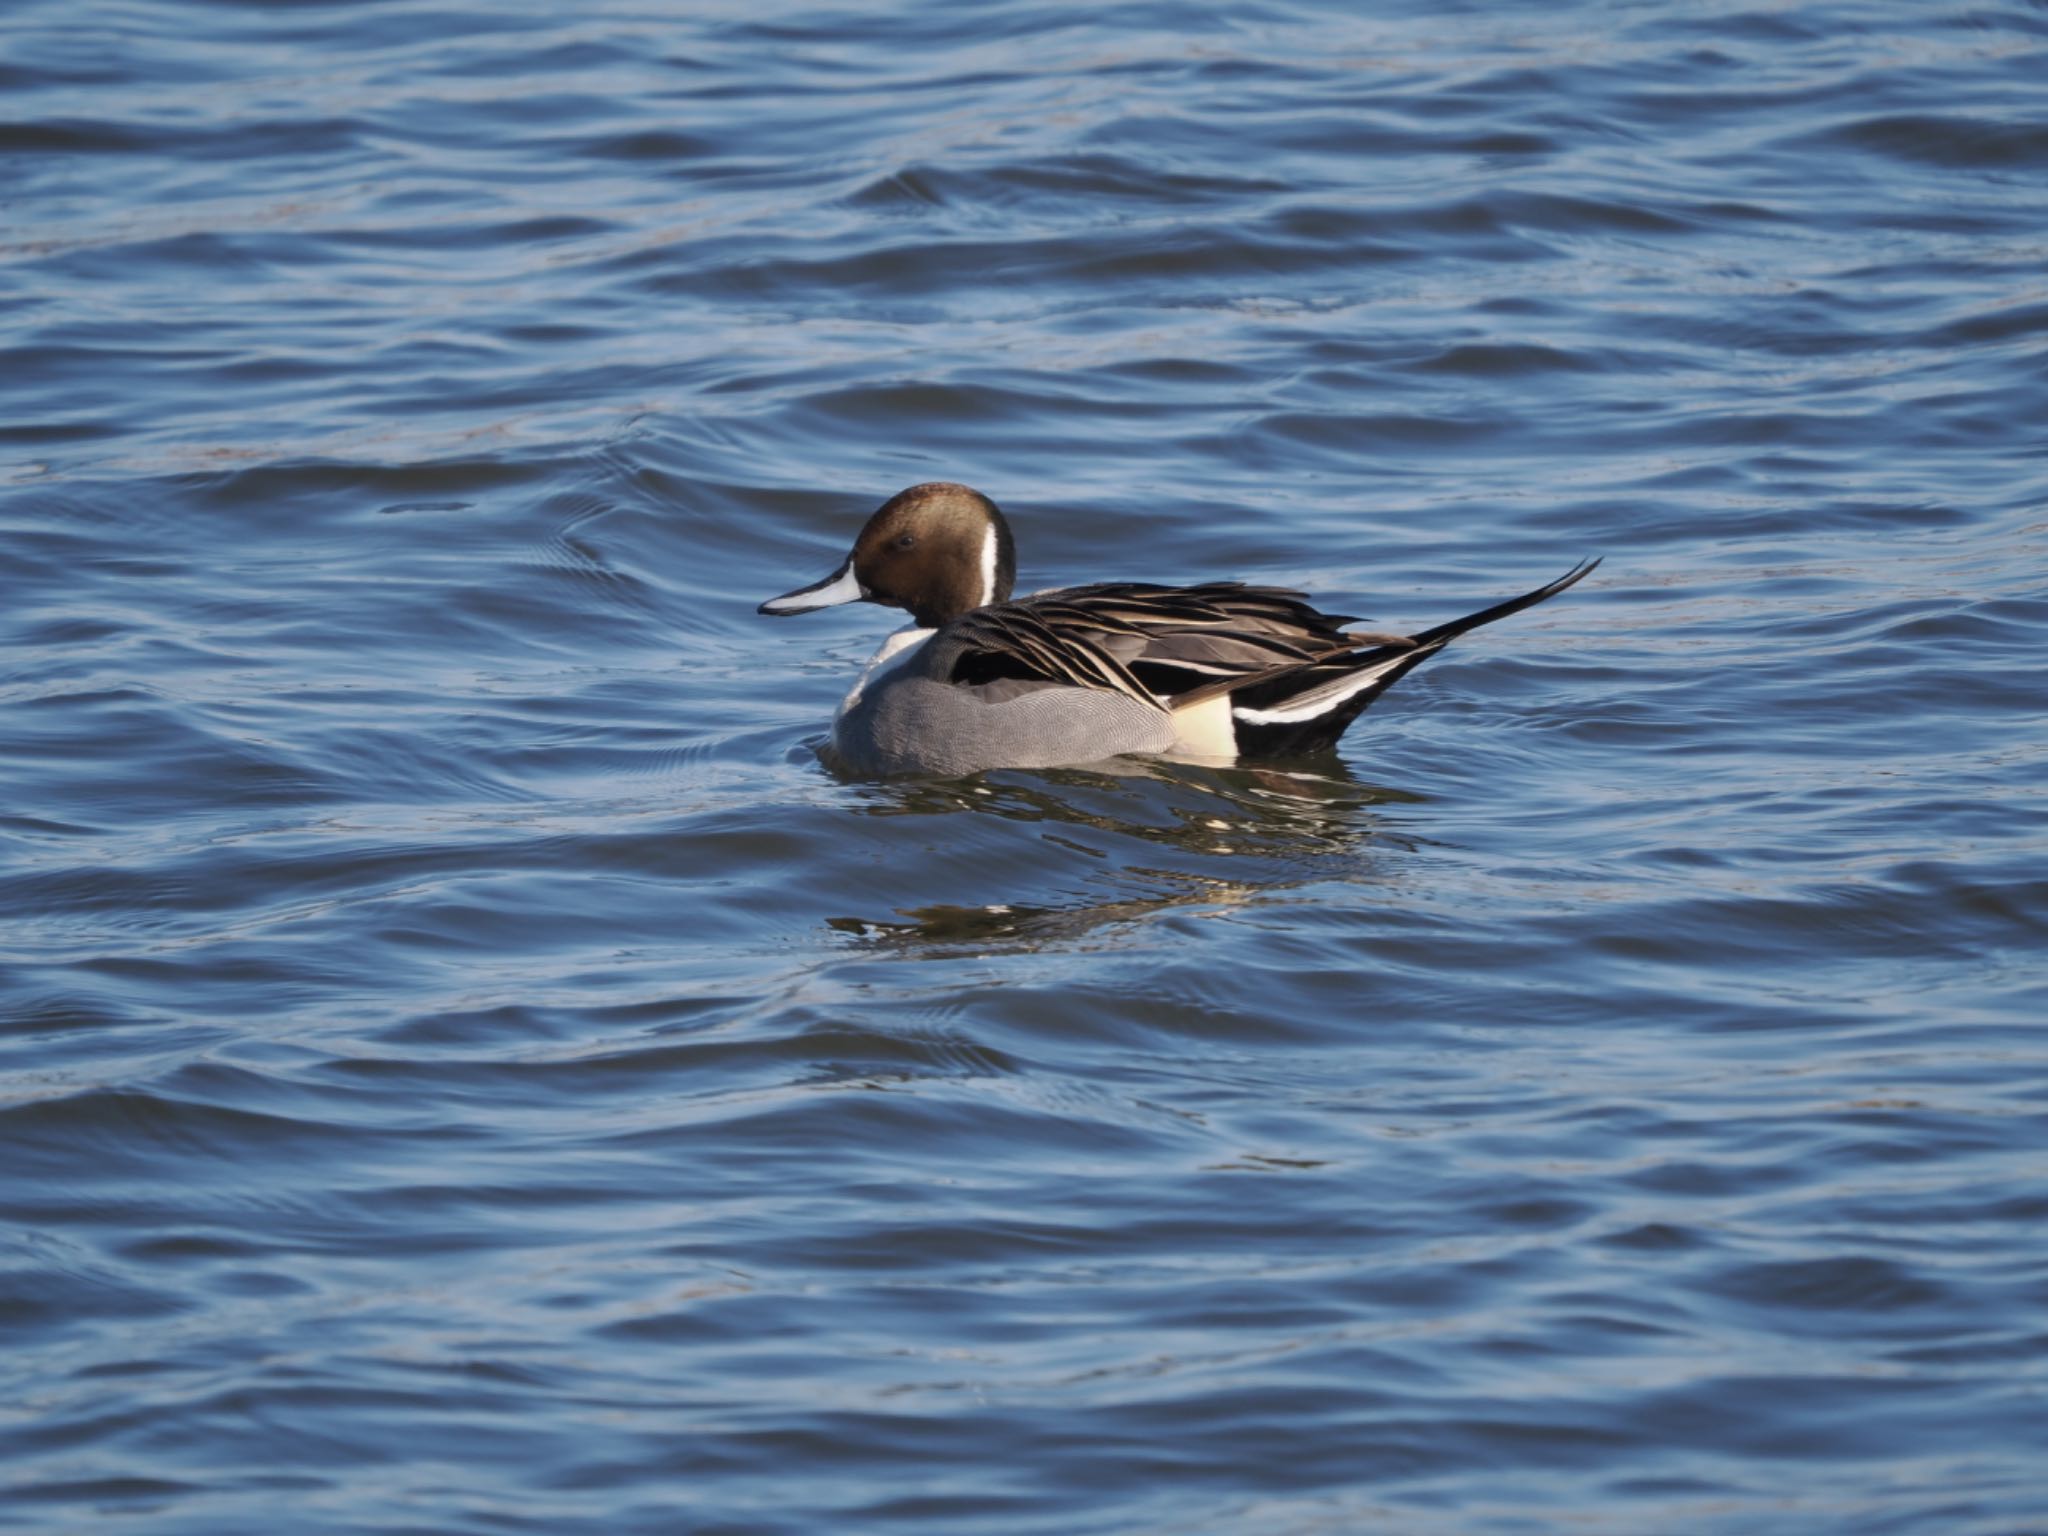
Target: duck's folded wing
{"type": "Point", "coordinates": [1159, 642]}
{"type": "Point", "coordinates": [1014, 643]}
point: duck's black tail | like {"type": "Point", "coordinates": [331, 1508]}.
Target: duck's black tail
{"type": "Point", "coordinates": [1308, 708]}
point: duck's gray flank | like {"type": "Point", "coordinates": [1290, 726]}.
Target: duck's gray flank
{"type": "Point", "coordinates": [1079, 674]}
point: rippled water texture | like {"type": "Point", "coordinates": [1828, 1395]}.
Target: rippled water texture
{"type": "Point", "coordinates": [466, 1066]}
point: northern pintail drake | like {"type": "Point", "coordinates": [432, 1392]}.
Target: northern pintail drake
{"type": "Point", "coordinates": [1079, 674]}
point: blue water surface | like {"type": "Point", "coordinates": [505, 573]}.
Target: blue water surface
{"type": "Point", "coordinates": [467, 1066]}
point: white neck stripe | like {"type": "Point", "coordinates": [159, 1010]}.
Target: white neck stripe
{"type": "Point", "coordinates": [988, 567]}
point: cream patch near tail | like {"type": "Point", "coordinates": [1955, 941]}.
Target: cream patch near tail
{"type": "Point", "coordinates": [1205, 729]}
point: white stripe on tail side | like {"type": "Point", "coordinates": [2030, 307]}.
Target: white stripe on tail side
{"type": "Point", "coordinates": [1320, 701]}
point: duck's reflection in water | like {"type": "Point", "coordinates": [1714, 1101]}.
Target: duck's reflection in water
{"type": "Point", "coordinates": [1158, 834]}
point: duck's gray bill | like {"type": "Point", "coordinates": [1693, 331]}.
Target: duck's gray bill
{"type": "Point", "coordinates": [839, 587]}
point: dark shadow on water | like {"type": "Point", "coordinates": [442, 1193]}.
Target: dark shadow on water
{"type": "Point", "coordinates": [1174, 834]}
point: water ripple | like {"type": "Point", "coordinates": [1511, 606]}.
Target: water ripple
{"type": "Point", "coordinates": [451, 1021]}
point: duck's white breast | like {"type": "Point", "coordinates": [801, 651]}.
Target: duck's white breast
{"type": "Point", "coordinates": [895, 650]}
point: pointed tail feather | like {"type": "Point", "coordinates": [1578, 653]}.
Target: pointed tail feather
{"type": "Point", "coordinates": [1472, 621]}
{"type": "Point", "coordinates": [1313, 718]}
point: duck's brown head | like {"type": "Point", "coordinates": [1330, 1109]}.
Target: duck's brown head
{"type": "Point", "coordinates": [937, 549]}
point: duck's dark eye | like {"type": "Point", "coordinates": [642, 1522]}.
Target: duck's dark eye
{"type": "Point", "coordinates": [906, 541]}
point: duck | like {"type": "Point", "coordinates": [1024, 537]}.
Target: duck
{"type": "Point", "coordinates": [981, 680]}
